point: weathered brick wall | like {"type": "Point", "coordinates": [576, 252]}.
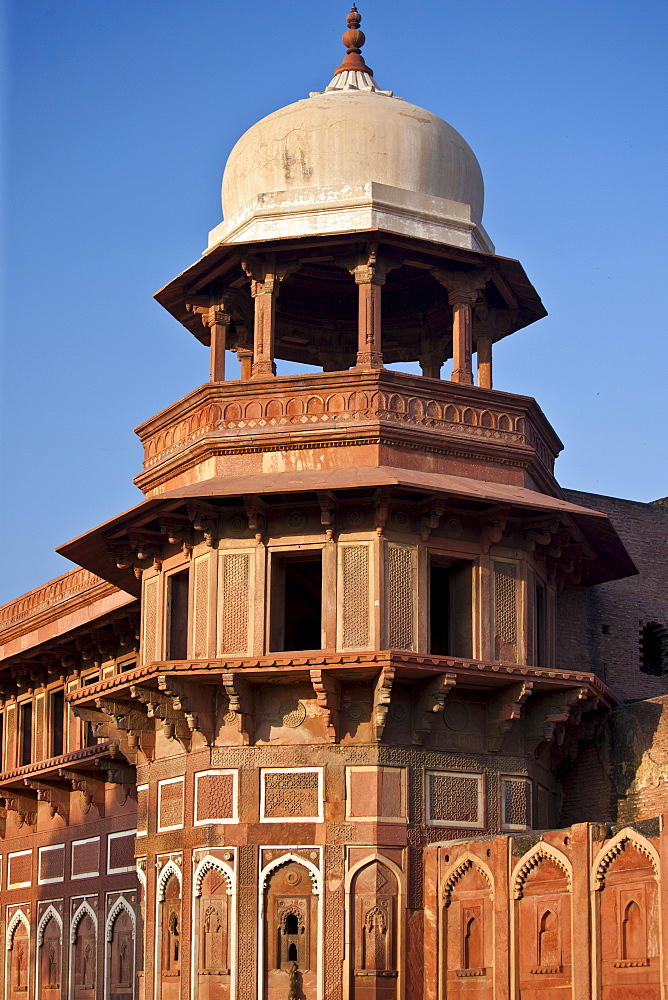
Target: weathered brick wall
{"type": "Point", "coordinates": [639, 758]}
{"type": "Point", "coordinates": [599, 627]}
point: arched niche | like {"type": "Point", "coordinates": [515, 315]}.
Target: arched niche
{"type": "Point", "coordinates": [120, 951]}
{"type": "Point", "coordinates": [542, 891]}
{"type": "Point", "coordinates": [84, 954]}
{"type": "Point", "coordinates": [171, 945]}
{"type": "Point", "coordinates": [468, 942]}
{"type": "Point", "coordinates": [49, 956]}
{"type": "Point", "coordinates": [626, 897]}
{"type": "Point", "coordinates": [213, 917]}
{"type": "Point", "coordinates": [317, 316]}
{"type": "Point", "coordinates": [375, 938]}
{"type": "Point", "coordinates": [18, 956]}
{"type": "Point", "coordinates": [291, 931]}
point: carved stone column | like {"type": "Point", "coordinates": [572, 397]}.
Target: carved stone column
{"type": "Point", "coordinates": [485, 362]}
{"type": "Point", "coordinates": [264, 290]}
{"type": "Point", "coordinates": [370, 277]}
{"type": "Point", "coordinates": [245, 356]}
{"type": "Point", "coordinates": [461, 297]}
{"type": "Point", "coordinates": [218, 322]}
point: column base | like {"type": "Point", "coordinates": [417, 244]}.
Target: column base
{"type": "Point", "coordinates": [263, 369]}
{"type": "Point", "coordinates": [462, 376]}
{"type": "Point", "coordinates": [369, 359]}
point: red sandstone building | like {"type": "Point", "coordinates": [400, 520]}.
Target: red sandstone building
{"type": "Point", "coordinates": [357, 703]}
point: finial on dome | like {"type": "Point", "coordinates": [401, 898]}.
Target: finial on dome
{"type": "Point", "coordinates": [353, 39]}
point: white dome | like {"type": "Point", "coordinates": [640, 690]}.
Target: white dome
{"type": "Point", "coordinates": [353, 157]}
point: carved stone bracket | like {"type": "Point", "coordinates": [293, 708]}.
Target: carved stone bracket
{"type": "Point", "coordinates": [57, 798]}
{"type": "Point", "coordinates": [429, 702]}
{"type": "Point", "coordinates": [255, 512]}
{"type": "Point", "coordinates": [197, 707]}
{"type": "Point", "coordinates": [22, 805]}
{"type": "Point", "coordinates": [382, 695]}
{"type": "Point", "coordinates": [177, 723]}
{"type": "Point", "coordinates": [90, 787]}
{"type": "Point", "coordinates": [328, 694]}
{"type": "Point", "coordinates": [204, 518]}
{"type": "Point", "coordinates": [178, 531]}
{"type": "Point", "coordinates": [239, 703]}
{"type": "Point", "coordinates": [504, 711]}
{"type": "Point", "coordinates": [381, 508]}
{"type": "Point", "coordinates": [430, 517]}
{"type": "Point", "coordinates": [547, 720]}
{"type": "Point", "coordinates": [327, 501]}
{"type": "Point", "coordinates": [493, 524]}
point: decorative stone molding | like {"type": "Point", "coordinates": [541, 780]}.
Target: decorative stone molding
{"type": "Point", "coordinates": [50, 911]}
{"type": "Point", "coordinates": [120, 904]}
{"type": "Point", "coordinates": [313, 872]}
{"type": "Point", "coordinates": [614, 848]}
{"type": "Point", "coordinates": [539, 852]}
{"type": "Point", "coordinates": [461, 867]}
{"type": "Point", "coordinates": [207, 864]}
{"type": "Point", "coordinates": [84, 908]}
{"type": "Point", "coordinates": [18, 917]}
{"type": "Point", "coordinates": [168, 869]}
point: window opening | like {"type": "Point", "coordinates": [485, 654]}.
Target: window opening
{"type": "Point", "coordinates": [57, 723]}
{"type": "Point", "coordinates": [633, 932]}
{"type": "Point", "coordinates": [450, 608]}
{"type": "Point", "coordinates": [540, 625]}
{"type": "Point", "coordinates": [654, 649]}
{"type": "Point", "coordinates": [548, 940]}
{"type": "Point", "coordinates": [177, 602]}
{"type": "Point", "coordinates": [26, 734]}
{"type": "Point", "coordinates": [298, 603]}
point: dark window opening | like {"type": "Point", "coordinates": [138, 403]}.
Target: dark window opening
{"type": "Point", "coordinates": [57, 723]}
{"type": "Point", "coordinates": [291, 924]}
{"type": "Point", "coordinates": [297, 603]}
{"type": "Point", "coordinates": [450, 608]}
{"type": "Point", "coordinates": [292, 953]}
{"type": "Point", "coordinates": [654, 649]}
{"type": "Point", "coordinates": [539, 650]}
{"type": "Point", "coordinates": [25, 748]}
{"type": "Point", "coordinates": [177, 598]}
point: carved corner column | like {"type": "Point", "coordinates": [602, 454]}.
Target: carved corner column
{"type": "Point", "coordinates": [461, 297]}
{"type": "Point", "coordinates": [245, 356]}
{"type": "Point", "coordinates": [218, 322]}
{"type": "Point", "coordinates": [485, 362]}
{"type": "Point", "coordinates": [264, 291]}
{"type": "Point", "coordinates": [370, 275]}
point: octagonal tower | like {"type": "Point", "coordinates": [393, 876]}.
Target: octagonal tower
{"type": "Point", "coordinates": [347, 577]}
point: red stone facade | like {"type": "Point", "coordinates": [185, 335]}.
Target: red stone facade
{"type": "Point", "coordinates": [357, 703]}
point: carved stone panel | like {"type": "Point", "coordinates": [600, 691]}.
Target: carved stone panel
{"type": "Point", "coordinates": [375, 946]}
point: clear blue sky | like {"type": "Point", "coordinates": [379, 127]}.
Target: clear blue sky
{"type": "Point", "coordinates": [119, 115]}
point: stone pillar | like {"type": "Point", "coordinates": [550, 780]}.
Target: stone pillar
{"type": "Point", "coordinates": [370, 278]}
{"type": "Point", "coordinates": [218, 322]}
{"type": "Point", "coordinates": [245, 356]}
{"type": "Point", "coordinates": [264, 294]}
{"type": "Point", "coordinates": [461, 299]}
{"type": "Point", "coordinates": [485, 362]}
{"type": "Point", "coordinates": [430, 368]}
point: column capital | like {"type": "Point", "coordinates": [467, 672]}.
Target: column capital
{"type": "Point", "coordinates": [462, 289]}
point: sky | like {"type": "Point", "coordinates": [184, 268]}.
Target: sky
{"type": "Point", "coordinates": [118, 116]}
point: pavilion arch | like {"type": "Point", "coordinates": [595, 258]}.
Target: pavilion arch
{"type": "Point", "coordinates": [463, 864]}
{"type": "Point", "coordinates": [401, 878]}
{"type": "Point", "coordinates": [170, 868]}
{"type": "Point", "coordinates": [541, 851]}
{"type": "Point", "coordinates": [18, 917]}
{"type": "Point", "coordinates": [83, 909]}
{"type": "Point", "coordinates": [207, 864]}
{"type": "Point", "coordinates": [264, 915]}
{"type": "Point", "coordinates": [314, 873]}
{"type": "Point", "coordinates": [120, 904]}
{"type": "Point", "coordinates": [50, 911]}
{"type": "Point", "coordinates": [614, 848]}
{"type": "Point", "coordinates": [349, 888]}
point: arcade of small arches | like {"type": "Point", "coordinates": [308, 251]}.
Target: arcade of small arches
{"type": "Point", "coordinates": [39, 962]}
